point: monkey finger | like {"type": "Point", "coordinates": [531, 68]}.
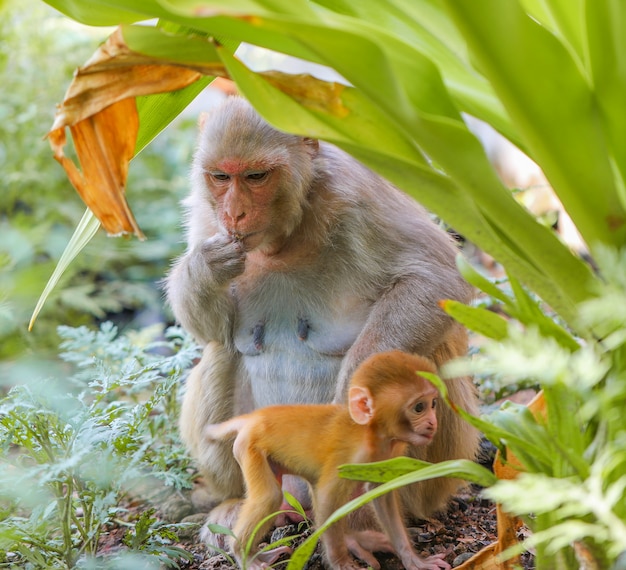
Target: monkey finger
{"type": "Point", "coordinates": [218, 240]}
{"type": "Point", "coordinates": [431, 563]}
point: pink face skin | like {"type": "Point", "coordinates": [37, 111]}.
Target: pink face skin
{"type": "Point", "coordinates": [244, 194]}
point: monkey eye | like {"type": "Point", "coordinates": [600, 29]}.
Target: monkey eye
{"type": "Point", "coordinates": [257, 175]}
{"type": "Point", "coordinates": [419, 407]}
{"type": "Point", "coordinates": [435, 401]}
{"type": "Point", "coordinates": [221, 176]}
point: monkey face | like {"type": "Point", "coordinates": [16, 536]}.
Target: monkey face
{"type": "Point", "coordinates": [243, 196]}
{"type": "Point", "coordinates": [421, 413]}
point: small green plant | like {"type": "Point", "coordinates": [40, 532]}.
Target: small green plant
{"type": "Point", "coordinates": [304, 527]}
{"type": "Point", "coordinates": [149, 536]}
{"type": "Point", "coordinates": [72, 449]}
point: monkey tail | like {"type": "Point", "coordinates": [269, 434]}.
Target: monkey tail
{"type": "Point", "coordinates": [224, 430]}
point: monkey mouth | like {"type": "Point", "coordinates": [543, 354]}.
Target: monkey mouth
{"type": "Point", "coordinates": [242, 237]}
{"type": "Point", "coordinates": [248, 240]}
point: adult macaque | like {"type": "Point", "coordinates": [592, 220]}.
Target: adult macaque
{"type": "Point", "coordinates": [300, 264]}
{"type": "Point", "coordinates": [389, 407]}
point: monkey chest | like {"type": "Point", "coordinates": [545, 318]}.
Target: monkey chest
{"type": "Point", "coordinates": [292, 337]}
{"type": "Point", "coordinates": [291, 319]}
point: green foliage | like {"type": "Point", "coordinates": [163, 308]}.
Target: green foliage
{"type": "Point", "coordinates": [39, 209]}
{"type": "Point", "coordinates": [574, 488]}
{"type": "Point", "coordinates": [303, 527]}
{"type": "Point", "coordinates": [150, 537]}
{"type": "Point", "coordinates": [71, 449]}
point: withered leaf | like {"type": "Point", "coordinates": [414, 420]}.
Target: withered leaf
{"type": "Point", "coordinates": [105, 143]}
{"type": "Point", "coordinates": [99, 108]}
{"type": "Point", "coordinates": [309, 91]}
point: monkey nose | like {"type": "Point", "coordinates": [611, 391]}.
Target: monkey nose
{"type": "Point", "coordinates": [234, 218]}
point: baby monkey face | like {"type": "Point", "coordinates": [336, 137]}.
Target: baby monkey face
{"type": "Point", "coordinates": [421, 413]}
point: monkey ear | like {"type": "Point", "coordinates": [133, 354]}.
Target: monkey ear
{"type": "Point", "coordinates": [360, 405]}
{"type": "Point", "coordinates": [312, 146]}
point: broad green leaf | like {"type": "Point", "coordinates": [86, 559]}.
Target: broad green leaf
{"type": "Point", "coordinates": [157, 111]}
{"type": "Point", "coordinates": [479, 281]}
{"type": "Point", "coordinates": [606, 31]}
{"type": "Point", "coordinates": [477, 319]}
{"type": "Point", "coordinates": [563, 17]}
{"type": "Point", "coordinates": [563, 134]}
{"type": "Point", "coordinates": [300, 8]}
{"type": "Point", "coordinates": [565, 430]}
{"type": "Point", "coordinates": [355, 116]}
{"type": "Point", "coordinates": [102, 13]}
{"type": "Point", "coordinates": [392, 469]}
{"type": "Point", "coordinates": [424, 27]}
{"type": "Point", "coordinates": [86, 229]}
{"type": "Point", "coordinates": [188, 50]}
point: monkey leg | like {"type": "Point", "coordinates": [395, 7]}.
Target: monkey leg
{"type": "Point", "coordinates": [263, 498]}
{"type": "Point", "coordinates": [330, 493]}
{"type": "Point", "coordinates": [210, 398]}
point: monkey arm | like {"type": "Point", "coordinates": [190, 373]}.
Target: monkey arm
{"type": "Point", "coordinates": [407, 317]}
{"type": "Point", "coordinates": [209, 399]}
{"type": "Point", "coordinates": [198, 289]}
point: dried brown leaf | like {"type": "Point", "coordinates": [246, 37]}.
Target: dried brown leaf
{"type": "Point", "coordinates": [105, 143]}
{"type": "Point", "coordinates": [100, 110]}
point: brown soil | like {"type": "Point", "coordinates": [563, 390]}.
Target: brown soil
{"type": "Point", "coordinates": [465, 528]}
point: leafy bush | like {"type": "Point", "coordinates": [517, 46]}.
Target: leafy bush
{"type": "Point", "coordinates": [573, 491]}
{"type": "Point", "coordinates": [39, 209]}
{"type": "Point", "coordinates": [72, 448]}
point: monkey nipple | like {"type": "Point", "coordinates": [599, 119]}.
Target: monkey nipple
{"type": "Point", "coordinates": [303, 329]}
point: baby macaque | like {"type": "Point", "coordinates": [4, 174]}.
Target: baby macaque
{"type": "Point", "coordinates": [389, 407]}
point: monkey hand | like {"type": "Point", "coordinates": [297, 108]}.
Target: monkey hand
{"type": "Point", "coordinates": [225, 257]}
{"type": "Point", "coordinates": [415, 562]}
{"type": "Point", "coordinates": [266, 558]}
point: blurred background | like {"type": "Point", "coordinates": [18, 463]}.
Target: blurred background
{"type": "Point", "coordinates": [113, 278]}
